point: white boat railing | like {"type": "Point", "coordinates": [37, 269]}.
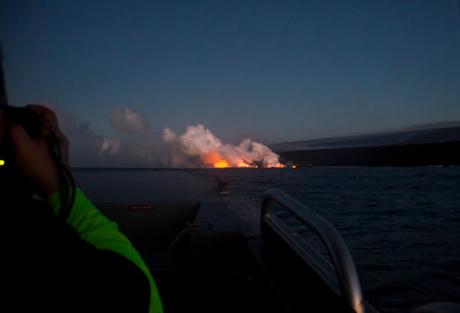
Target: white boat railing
{"type": "Point", "coordinates": [342, 260]}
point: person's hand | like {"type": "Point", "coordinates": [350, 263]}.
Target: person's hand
{"type": "Point", "coordinates": [32, 156]}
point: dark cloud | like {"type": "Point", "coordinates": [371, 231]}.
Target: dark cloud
{"type": "Point", "coordinates": [129, 121]}
{"type": "Point", "coordinates": [143, 148]}
{"type": "Point", "coordinates": [87, 148]}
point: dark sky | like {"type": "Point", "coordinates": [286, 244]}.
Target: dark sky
{"type": "Point", "coordinates": [274, 70]}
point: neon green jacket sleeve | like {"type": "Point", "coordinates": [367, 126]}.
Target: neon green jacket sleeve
{"type": "Point", "coordinates": [98, 230]}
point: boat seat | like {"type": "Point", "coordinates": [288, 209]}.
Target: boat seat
{"type": "Point", "coordinates": [152, 227]}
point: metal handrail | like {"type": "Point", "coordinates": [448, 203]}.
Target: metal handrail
{"type": "Point", "coordinates": [342, 260]}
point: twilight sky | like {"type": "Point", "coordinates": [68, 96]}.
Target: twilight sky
{"type": "Point", "coordinates": [272, 70]}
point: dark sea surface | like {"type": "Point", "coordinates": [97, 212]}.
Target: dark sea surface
{"type": "Point", "coordinates": [402, 225]}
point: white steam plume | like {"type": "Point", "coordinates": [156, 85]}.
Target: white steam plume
{"type": "Point", "coordinates": [109, 146]}
{"type": "Point", "coordinates": [140, 146]}
{"type": "Point", "coordinates": [168, 135]}
{"type": "Point", "coordinates": [199, 145]}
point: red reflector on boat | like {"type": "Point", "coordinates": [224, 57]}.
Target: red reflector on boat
{"type": "Point", "coordinates": [141, 207]}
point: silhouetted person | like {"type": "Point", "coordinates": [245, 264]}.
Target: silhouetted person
{"type": "Point", "coordinates": [80, 263]}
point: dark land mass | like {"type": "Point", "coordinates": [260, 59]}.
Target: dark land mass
{"type": "Point", "coordinates": [446, 154]}
{"type": "Point", "coordinates": [422, 134]}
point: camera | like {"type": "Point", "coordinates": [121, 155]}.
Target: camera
{"type": "Point", "coordinates": [16, 116]}
{"type": "Point", "coordinates": [25, 117]}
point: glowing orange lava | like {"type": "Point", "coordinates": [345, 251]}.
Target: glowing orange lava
{"type": "Point", "coordinates": [214, 159]}
{"type": "Point", "coordinates": [243, 164]}
{"type": "Point", "coordinates": [221, 164]}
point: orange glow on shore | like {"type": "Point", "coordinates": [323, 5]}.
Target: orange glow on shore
{"type": "Point", "coordinates": [243, 164]}
{"type": "Point", "coordinates": [221, 164]}
{"type": "Point", "coordinates": [215, 160]}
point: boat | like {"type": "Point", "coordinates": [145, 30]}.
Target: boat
{"type": "Point", "coordinates": [210, 253]}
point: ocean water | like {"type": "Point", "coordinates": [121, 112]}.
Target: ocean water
{"type": "Point", "coordinates": [402, 225]}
